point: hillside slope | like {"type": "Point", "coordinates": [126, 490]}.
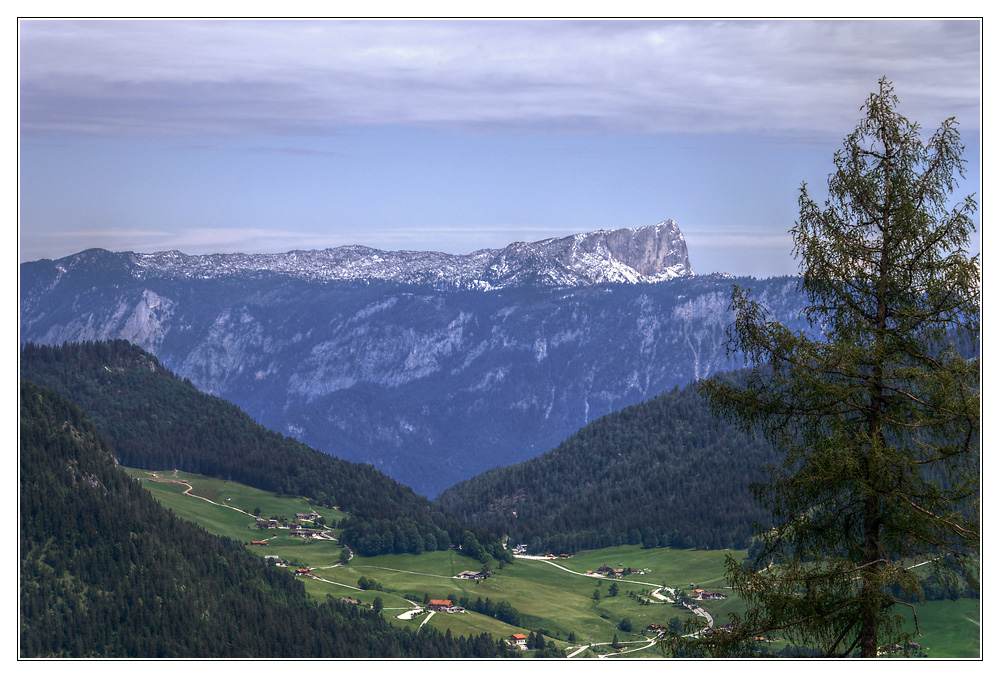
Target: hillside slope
{"type": "Point", "coordinates": [661, 473]}
{"type": "Point", "coordinates": [154, 420]}
{"type": "Point", "coordinates": [107, 572]}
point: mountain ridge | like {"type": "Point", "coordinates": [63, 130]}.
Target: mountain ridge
{"type": "Point", "coordinates": [630, 255]}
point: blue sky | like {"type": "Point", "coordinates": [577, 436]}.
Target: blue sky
{"type": "Point", "coordinates": [267, 136]}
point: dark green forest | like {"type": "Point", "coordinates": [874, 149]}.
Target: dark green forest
{"type": "Point", "coordinates": [664, 472]}
{"type": "Point", "coordinates": [107, 572]}
{"type": "Point", "coordinates": [156, 421]}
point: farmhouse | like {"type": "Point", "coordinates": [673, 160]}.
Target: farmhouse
{"type": "Point", "coordinates": [302, 570]}
{"type": "Point", "coordinates": [469, 574]}
{"type": "Point", "coordinates": [258, 543]}
{"type": "Point", "coordinates": [711, 595]}
{"type": "Point", "coordinates": [307, 516]}
{"type": "Point", "coordinates": [518, 640]}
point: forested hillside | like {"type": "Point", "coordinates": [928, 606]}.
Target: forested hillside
{"type": "Point", "coordinates": [107, 572]}
{"type": "Point", "coordinates": [661, 473]}
{"type": "Point", "coordinates": [156, 421]}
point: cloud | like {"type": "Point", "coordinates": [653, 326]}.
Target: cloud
{"type": "Point", "coordinates": [737, 237]}
{"type": "Point", "coordinates": [199, 78]}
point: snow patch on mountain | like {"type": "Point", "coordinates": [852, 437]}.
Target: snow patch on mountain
{"type": "Point", "coordinates": [631, 255]}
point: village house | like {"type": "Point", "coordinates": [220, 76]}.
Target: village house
{"type": "Point", "coordinates": [267, 524]}
{"type": "Point", "coordinates": [518, 640]}
{"type": "Point", "coordinates": [307, 516]}
{"type": "Point", "coordinates": [258, 543]}
{"type": "Point", "coordinates": [302, 570]}
{"type": "Point", "coordinates": [469, 574]}
{"type": "Point", "coordinates": [444, 606]}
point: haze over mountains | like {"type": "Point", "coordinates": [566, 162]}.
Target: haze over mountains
{"type": "Point", "coordinates": [432, 367]}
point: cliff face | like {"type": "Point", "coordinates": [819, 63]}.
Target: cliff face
{"type": "Point", "coordinates": [431, 383]}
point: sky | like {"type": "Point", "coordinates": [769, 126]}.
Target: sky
{"type": "Point", "coordinates": [268, 136]}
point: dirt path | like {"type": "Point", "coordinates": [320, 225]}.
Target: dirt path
{"type": "Point", "coordinates": [645, 645]}
{"type": "Point", "coordinates": [429, 615]}
{"type": "Point", "coordinates": [389, 569]}
{"type": "Point", "coordinates": [158, 479]}
{"type": "Point", "coordinates": [597, 576]}
{"type": "Point", "coordinates": [336, 583]}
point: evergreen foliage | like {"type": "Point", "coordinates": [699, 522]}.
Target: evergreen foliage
{"type": "Point", "coordinates": [661, 473]}
{"type": "Point", "coordinates": [156, 421]}
{"type": "Point", "coordinates": [878, 418]}
{"type": "Point", "coordinates": [107, 572]}
{"type": "Point", "coordinates": [503, 610]}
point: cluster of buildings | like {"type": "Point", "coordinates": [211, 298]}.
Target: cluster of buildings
{"type": "Point", "coordinates": [701, 594]}
{"type": "Point", "coordinates": [898, 649]}
{"type": "Point", "coordinates": [616, 572]}
{"type": "Point", "coordinates": [295, 529]}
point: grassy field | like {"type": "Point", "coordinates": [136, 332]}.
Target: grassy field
{"type": "Point", "coordinates": [552, 596]}
{"type": "Point", "coordinates": [949, 628]}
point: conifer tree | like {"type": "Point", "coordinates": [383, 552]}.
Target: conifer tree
{"type": "Point", "coordinates": [876, 410]}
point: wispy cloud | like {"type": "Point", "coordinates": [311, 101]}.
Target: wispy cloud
{"type": "Point", "coordinates": [747, 237]}
{"type": "Point", "coordinates": [198, 78]}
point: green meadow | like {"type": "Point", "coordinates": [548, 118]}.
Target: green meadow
{"type": "Point", "coordinates": [948, 628]}
{"type": "Point", "coordinates": [554, 596]}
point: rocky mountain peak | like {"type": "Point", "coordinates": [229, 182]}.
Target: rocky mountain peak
{"type": "Point", "coordinates": [628, 255]}
{"type": "Point", "coordinates": [643, 254]}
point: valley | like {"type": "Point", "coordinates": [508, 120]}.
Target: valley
{"type": "Point", "coordinates": [551, 595]}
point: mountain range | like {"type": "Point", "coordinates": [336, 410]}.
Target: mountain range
{"type": "Point", "coordinates": [432, 367]}
{"type": "Point", "coordinates": [630, 255]}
